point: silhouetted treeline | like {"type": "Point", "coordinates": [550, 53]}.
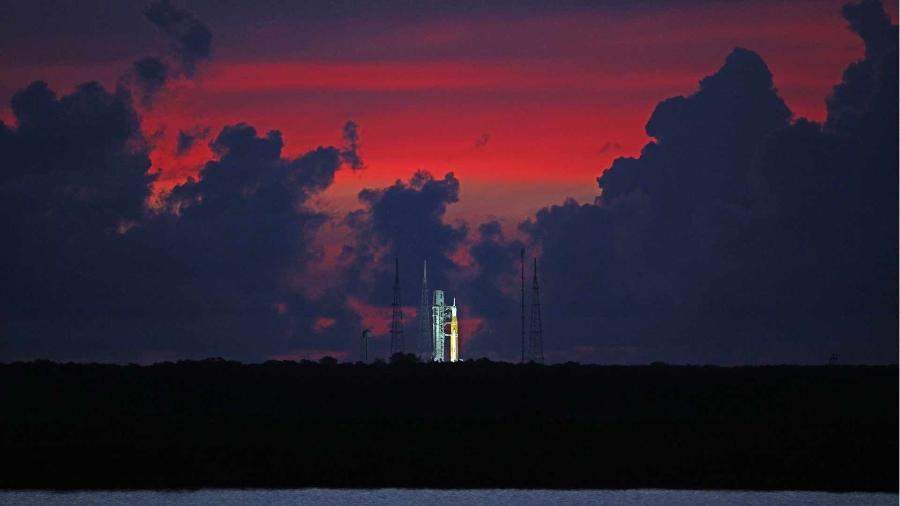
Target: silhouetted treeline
{"type": "Point", "coordinates": [477, 424]}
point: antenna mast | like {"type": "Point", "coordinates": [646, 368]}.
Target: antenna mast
{"type": "Point", "coordinates": [364, 346]}
{"type": "Point", "coordinates": [397, 313]}
{"type": "Point", "coordinates": [523, 303]}
{"type": "Point", "coordinates": [426, 350]}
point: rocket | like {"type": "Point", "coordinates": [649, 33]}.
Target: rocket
{"type": "Point", "coordinates": [454, 333]}
{"type": "Point", "coordinates": [442, 315]}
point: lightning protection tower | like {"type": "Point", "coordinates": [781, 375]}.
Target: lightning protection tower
{"type": "Point", "coordinates": [364, 346]}
{"type": "Point", "coordinates": [425, 344]}
{"type": "Point", "coordinates": [536, 336]}
{"type": "Point", "coordinates": [523, 303]}
{"type": "Point", "coordinates": [397, 313]}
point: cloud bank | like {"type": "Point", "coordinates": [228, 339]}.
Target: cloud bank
{"type": "Point", "coordinates": [740, 234]}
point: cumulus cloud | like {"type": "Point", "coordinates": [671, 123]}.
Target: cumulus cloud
{"type": "Point", "coordinates": [640, 265]}
{"type": "Point", "coordinates": [192, 40]}
{"type": "Point", "coordinates": [86, 148]}
{"type": "Point", "coordinates": [151, 75]}
{"type": "Point", "coordinates": [190, 44]}
{"type": "Point", "coordinates": [188, 138]}
{"type": "Point", "coordinates": [404, 220]}
{"type": "Point", "coordinates": [74, 173]}
{"type": "Point", "coordinates": [233, 238]}
{"type": "Point", "coordinates": [217, 267]}
{"type": "Point", "coordinates": [492, 294]}
{"type": "Point", "coordinates": [737, 235]}
{"type": "Point", "coordinates": [94, 274]}
{"type": "Point", "coordinates": [866, 79]}
{"type": "Point", "coordinates": [350, 153]}
{"type": "Point", "coordinates": [833, 188]}
{"type": "Point", "coordinates": [407, 220]}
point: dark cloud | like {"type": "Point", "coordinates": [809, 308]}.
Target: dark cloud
{"type": "Point", "coordinates": [88, 142]}
{"type": "Point", "coordinates": [151, 75]}
{"type": "Point", "coordinates": [491, 295]}
{"type": "Point", "coordinates": [404, 220]}
{"type": "Point", "coordinates": [93, 274]}
{"type": "Point", "coordinates": [234, 238]}
{"type": "Point", "coordinates": [192, 39]}
{"type": "Point", "coordinates": [865, 79]}
{"type": "Point", "coordinates": [350, 153]}
{"type": "Point", "coordinates": [833, 188]}
{"type": "Point", "coordinates": [871, 22]}
{"type": "Point", "coordinates": [191, 44]}
{"type": "Point", "coordinates": [74, 175]}
{"type": "Point", "coordinates": [188, 138]}
{"type": "Point", "coordinates": [737, 236]}
{"type": "Point", "coordinates": [637, 268]}
{"type": "Point", "coordinates": [407, 220]}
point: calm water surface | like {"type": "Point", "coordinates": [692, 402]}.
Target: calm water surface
{"type": "Point", "coordinates": [443, 498]}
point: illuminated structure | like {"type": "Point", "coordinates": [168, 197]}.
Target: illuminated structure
{"type": "Point", "coordinates": [454, 333]}
{"type": "Point", "coordinates": [443, 316]}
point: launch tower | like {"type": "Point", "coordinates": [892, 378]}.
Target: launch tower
{"type": "Point", "coordinates": [424, 339]}
{"type": "Point", "coordinates": [397, 313]}
{"type": "Point", "coordinates": [536, 336]}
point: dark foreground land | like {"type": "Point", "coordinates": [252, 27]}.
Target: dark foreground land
{"type": "Point", "coordinates": [470, 425]}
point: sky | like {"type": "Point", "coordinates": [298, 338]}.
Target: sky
{"type": "Point", "coordinates": [526, 104]}
{"type": "Point", "coordinates": [468, 88]}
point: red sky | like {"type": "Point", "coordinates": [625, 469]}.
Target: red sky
{"type": "Point", "coordinates": [527, 109]}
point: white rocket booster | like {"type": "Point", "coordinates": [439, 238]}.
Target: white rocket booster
{"type": "Point", "coordinates": [441, 316]}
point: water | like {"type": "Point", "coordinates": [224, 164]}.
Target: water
{"type": "Point", "coordinates": [393, 497]}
